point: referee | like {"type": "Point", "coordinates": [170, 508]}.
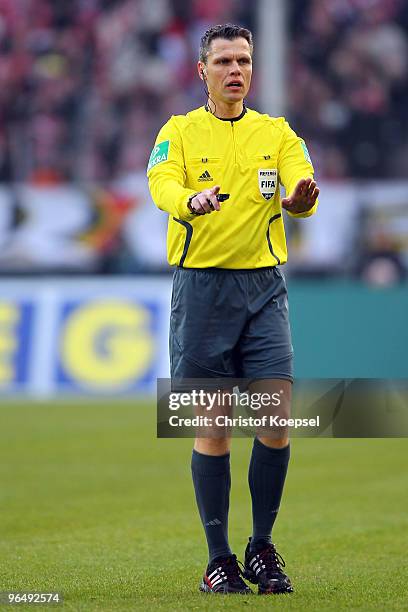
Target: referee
{"type": "Point", "coordinates": [216, 171]}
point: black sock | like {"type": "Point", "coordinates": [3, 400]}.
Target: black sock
{"type": "Point", "coordinates": [212, 483]}
{"type": "Point", "coordinates": [266, 477]}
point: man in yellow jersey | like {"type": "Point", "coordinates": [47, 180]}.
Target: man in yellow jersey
{"type": "Point", "coordinates": [216, 171]}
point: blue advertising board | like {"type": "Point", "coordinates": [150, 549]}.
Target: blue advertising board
{"type": "Point", "coordinates": [86, 337]}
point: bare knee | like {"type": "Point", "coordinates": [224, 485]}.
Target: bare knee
{"type": "Point", "coordinates": [274, 442]}
{"type": "Point", "coordinates": [212, 446]}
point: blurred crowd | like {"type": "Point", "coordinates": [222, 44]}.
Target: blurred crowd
{"type": "Point", "coordinates": [349, 85]}
{"type": "Point", "coordinates": [85, 84]}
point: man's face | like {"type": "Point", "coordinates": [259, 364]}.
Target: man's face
{"type": "Point", "coordinates": [228, 70]}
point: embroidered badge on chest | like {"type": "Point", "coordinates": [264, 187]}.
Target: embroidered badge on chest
{"type": "Point", "coordinates": [267, 181]}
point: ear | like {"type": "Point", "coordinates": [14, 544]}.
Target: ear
{"type": "Point", "coordinates": [201, 70]}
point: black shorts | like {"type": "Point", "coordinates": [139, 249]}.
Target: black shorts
{"type": "Point", "coordinates": [230, 324]}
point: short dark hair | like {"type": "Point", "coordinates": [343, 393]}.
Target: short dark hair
{"type": "Point", "coordinates": [228, 31]}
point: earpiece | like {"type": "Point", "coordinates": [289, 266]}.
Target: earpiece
{"type": "Point", "coordinates": [203, 75]}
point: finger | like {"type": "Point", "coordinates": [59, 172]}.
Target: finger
{"type": "Point", "coordinates": [206, 207]}
{"type": "Point", "coordinates": [310, 199]}
{"type": "Point", "coordinates": [311, 188]}
{"type": "Point", "coordinates": [196, 206]}
{"type": "Point", "coordinates": [286, 202]}
{"type": "Point", "coordinates": [204, 202]}
{"type": "Point", "coordinates": [308, 190]}
{"type": "Point", "coordinates": [198, 209]}
{"type": "Point", "coordinates": [212, 197]}
{"type": "Point", "coordinates": [315, 194]}
{"type": "Point", "coordinates": [300, 188]}
{"type": "Point", "coordinates": [214, 202]}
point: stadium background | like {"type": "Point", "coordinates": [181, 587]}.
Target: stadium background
{"type": "Point", "coordinates": [84, 304]}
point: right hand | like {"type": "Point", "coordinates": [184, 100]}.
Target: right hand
{"type": "Point", "coordinates": [206, 201]}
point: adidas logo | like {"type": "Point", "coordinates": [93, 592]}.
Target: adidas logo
{"type": "Point", "coordinates": [205, 176]}
{"type": "Point", "coordinates": [213, 522]}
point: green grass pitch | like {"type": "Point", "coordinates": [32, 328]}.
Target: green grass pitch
{"type": "Point", "coordinates": [94, 506]}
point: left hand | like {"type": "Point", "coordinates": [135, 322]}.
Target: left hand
{"type": "Point", "coordinates": [303, 197]}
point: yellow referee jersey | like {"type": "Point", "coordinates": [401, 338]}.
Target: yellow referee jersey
{"type": "Point", "coordinates": [248, 157]}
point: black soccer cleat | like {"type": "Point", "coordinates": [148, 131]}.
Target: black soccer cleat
{"type": "Point", "coordinates": [223, 576]}
{"type": "Point", "coordinates": [264, 568]}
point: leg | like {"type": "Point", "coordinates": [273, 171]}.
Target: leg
{"type": "Point", "coordinates": [212, 482]}
{"type": "Point", "coordinates": [210, 467]}
{"type": "Point", "coordinates": [208, 313]}
{"type": "Point", "coordinates": [267, 356]}
{"type": "Point", "coordinates": [267, 473]}
{"type": "Point", "coordinates": [268, 465]}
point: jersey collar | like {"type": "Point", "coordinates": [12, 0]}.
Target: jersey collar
{"type": "Point", "coordinates": [244, 111]}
